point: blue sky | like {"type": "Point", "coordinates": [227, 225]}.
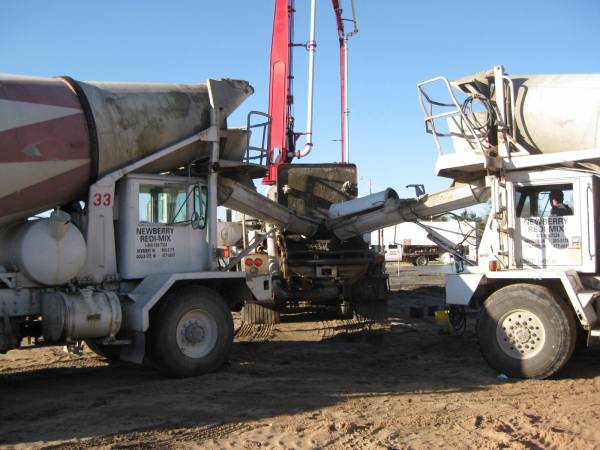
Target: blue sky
{"type": "Point", "coordinates": [399, 44]}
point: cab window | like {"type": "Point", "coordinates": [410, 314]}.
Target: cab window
{"type": "Point", "coordinates": [163, 204]}
{"type": "Point", "coordinates": [544, 201]}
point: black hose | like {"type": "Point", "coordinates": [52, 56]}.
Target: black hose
{"type": "Point", "coordinates": [458, 319]}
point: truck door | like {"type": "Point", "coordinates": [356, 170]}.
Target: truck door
{"type": "Point", "coordinates": [548, 226]}
{"type": "Point", "coordinates": [161, 226]}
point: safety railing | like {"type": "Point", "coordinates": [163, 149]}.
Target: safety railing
{"type": "Point", "coordinates": [456, 114]}
{"type": "Point", "coordinates": [257, 154]}
{"type": "Point", "coordinates": [473, 128]}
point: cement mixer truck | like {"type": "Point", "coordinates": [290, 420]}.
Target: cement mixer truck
{"type": "Point", "coordinates": [126, 260]}
{"type": "Point", "coordinates": [529, 145]}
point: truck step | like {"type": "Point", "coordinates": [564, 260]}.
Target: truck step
{"type": "Point", "coordinates": [586, 296]}
{"type": "Point", "coordinates": [591, 281]}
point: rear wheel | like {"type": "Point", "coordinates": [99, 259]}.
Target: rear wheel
{"type": "Point", "coordinates": [421, 260]}
{"type": "Point", "coordinates": [525, 331]}
{"type": "Point", "coordinates": [191, 332]}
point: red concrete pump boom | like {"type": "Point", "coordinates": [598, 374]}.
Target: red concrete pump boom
{"type": "Point", "coordinates": [281, 143]}
{"type": "Point", "coordinates": [280, 146]}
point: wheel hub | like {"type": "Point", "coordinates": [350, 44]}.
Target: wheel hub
{"type": "Point", "coordinates": [197, 333]}
{"type": "Point", "coordinates": [194, 333]}
{"type": "Point", "coordinates": [520, 334]}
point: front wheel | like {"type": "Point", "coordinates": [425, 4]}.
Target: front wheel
{"type": "Point", "coordinates": [525, 331]}
{"type": "Point", "coordinates": [191, 332]}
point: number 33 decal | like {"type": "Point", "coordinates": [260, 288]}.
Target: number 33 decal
{"type": "Point", "coordinates": [100, 199]}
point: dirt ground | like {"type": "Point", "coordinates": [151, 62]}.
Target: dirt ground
{"type": "Point", "coordinates": [320, 384]}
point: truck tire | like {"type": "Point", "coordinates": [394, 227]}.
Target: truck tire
{"type": "Point", "coordinates": [421, 260]}
{"type": "Point", "coordinates": [110, 352]}
{"type": "Point", "coordinates": [525, 331]}
{"type": "Point", "coordinates": [191, 332]}
{"type": "Point", "coordinates": [257, 314]}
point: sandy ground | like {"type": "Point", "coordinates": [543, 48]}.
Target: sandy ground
{"type": "Point", "coordinates": [320, 384]}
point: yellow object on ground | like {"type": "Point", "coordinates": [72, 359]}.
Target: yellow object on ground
{"type": "Point", "coordinates": [443, 322]}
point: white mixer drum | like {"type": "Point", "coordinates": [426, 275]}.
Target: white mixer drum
{"type": "Point", "coordinates": [558, 113]}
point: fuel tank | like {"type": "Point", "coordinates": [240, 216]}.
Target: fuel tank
{"type": "Point", "coordinates": [58, 135]}
{"type": "Point", "coordinates": [49, 251]}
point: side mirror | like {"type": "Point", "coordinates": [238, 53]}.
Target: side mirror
{"type": "Point", "coordinates": [195, 220]}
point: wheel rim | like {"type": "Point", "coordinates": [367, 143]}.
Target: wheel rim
{"type": "Point", "coordinates": [521, 334]}
{"type": "Point", "coordinates": [197, 333]}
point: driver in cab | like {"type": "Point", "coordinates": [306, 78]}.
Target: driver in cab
{"type": "Point", "coordinates": [558, 207]}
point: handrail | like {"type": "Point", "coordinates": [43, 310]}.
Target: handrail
{"type": "Point", "coordinates": [430, 118]}
{"type": "Point", "coordinates": [511, 91]}
{"type": "Point", "coordinates": [588, 191]}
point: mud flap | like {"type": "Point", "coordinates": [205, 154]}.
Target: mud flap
{"type": "Point", "coordinates": [135, 351]}
{"type": "Point", "coordinates": [371, 311]}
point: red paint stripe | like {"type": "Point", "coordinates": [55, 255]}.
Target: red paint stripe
{"type": "Point", "coordinates": [46, 91]}
{"type": "Point", "coordinates": [61, 189]}
{"type": "Point", "coordinates": [64, 138]}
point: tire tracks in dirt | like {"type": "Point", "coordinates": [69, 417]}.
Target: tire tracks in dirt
{"type": "Point", "coordinates": [68, 362]}
{"type": "Point", "coordinates": [351, 327]}
{"type": "Point", "coordinates": [157, 437]}
{"type": "Point", "coordinates": [255, 333]}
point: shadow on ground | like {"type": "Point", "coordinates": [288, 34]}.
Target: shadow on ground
{"type": "Point", "coordinates": [262, 380]}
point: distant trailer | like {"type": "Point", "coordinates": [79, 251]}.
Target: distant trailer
{"type": "Point", "coordinates": [420, 255]}
{"type": "Point", "coordinates": [408, 242]}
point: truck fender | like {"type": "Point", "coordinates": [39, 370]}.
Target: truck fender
{"type": "Point", "coordinates": [261, 287]}
{"type": "Point", "coordinates": [581, 300]}
{"type": "Point", "coordinates": [460, 288]}
{"type": "Point", "coordinates": [136, 311]}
